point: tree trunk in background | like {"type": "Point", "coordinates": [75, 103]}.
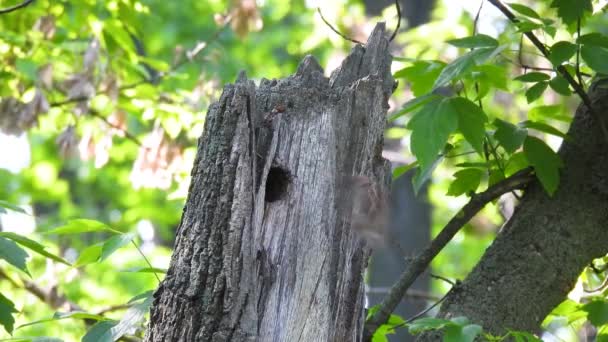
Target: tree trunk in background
{"type": "Point", "coordinates": [410, 225]}
{"type": "Point", "coordinates": [411, 217]}
{"type": "Point", "coordinates": [540, 252]}
{"type": "Point", "coordinates": [416, 12]}
{"type": "Point", "coordinates": [262, 253]}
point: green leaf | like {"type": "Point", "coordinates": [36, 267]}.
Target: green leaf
{"type": "Point", "coordinates": [536, 91]}
{"type": "Point", "coordinates": [35, 339]}
{"type": "Point", "coordinates": [508, 135]}
{"type": "Point", "coordinates": [524, 10]}
{"type": "Point", "coordinates": [7, 308]}
{"type": "Point", "coordinates": [114, 243]}
{"type": "Point", "coordinates": [594, 38]}
{"type": "Point", "coordinates": [471, 121]}
{"type": "Point", "coordinates": [602, 334]}
{"type": "Point", "coordinates": [13, 254]}
{"type": "Point", "coordinates": [400, 170]}
{"type": "Point", "coordinates": [568, 308]}
{"type": "Point", "coordinates": [543, 127]}
{"type": "Point", "coordinates": [561, 52]}
{"type": "Point", "coordinates": [115, 30]}
{"type": "Point", "coordinates": [516, 163]}
{"type": "Point", "coordinates": [145, 270]}
{"type": "Point", "coordinates": [550, 111]}
{"type": "Point", "coordinates": [10, 206]}
{"type": "Point", "coordinates": [421, 75]}
{"type": "Point", "coordinates": [549, 28]}
{"type": "Point", "coordinates": [523, 336]}
{"type": "Point", "coordinates": [533, 77]}
{"type": "Point", "coordinates": [560, 85]}
{"type": "Point", "coordinates": [65, 315]}
{"type": "Point", "coordinates": [422, 176]}
{"type": "Point", "coordinates": [413, 105]}
{"type": "Point", "coordinates": [157, 64]}
{"type": "Point", "coordinates": [394, 319]}
{"type": "Point", "coordinates": [545, 161]}
{"type": "Point", "coordinates": [132, 319]}
{"type": "Point", "coordinates": [495, 75]}
{"type": "Point", "coordinates": [100, 332]}
{"type": "Point", "coordinates": [596, 58]}
{"type": "Point", "coordinates": [527, 26]}
{"type": "Point", "coordinates": [428, 323]}
{"type": "Point", "coordinates": [89, 255]}
{"type": "Point", "coordinates": [476, 41]}
{"type": "Point", "coordinates": [82, 226]}
{"type": "Point", "coordinates": [145, 295]}
{"type": "Point", "coordinates": [483, 165]}
{"type": "Point", "coordinates": [597, 312]}
{"type": "Point", "coordinates": [33, 245]}
{"type": "Point", "coordinates": [381, 332]}
{"type": "Point", "coordinates": [431, 127]}
{"type": "Point", "coordinates": [571, 10]}
{"type": "Point", "coordinates": [372, 311]}
{"type": "Point", "coordinates": [496, 176]}
{"type": "Point", "coordinates": [77, 315]}
{"type": "Point", "coordinates": [462, 65]}
{"type": "Point", "coordinates": [28, 68]}
{"type": "Point", "coordinates": [456, 333]}
{"type": "Point", "coordinates": [466, 181]}
{"type": "Point", "coordinates": [460, 320]}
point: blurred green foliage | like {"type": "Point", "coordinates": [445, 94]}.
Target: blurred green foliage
{"type": "Point", "coordinates": [102, 102]}
{"type": "Point", "coordinates": [111, 96]}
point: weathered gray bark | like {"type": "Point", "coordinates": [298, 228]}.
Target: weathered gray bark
{"type": "Point", "coordinates": [262, 252]}
{"type": "Point", "coordinates": [538, 255]}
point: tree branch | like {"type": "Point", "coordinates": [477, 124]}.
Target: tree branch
{"type": "Point", "coordinates": [578, 88]}
{"type": "Point", "coordinates": [418, 265]}
{"type": "Point", "coordinates": [336, 31]}
{"type": "Point", "coordinates": [16, 7]}
{"type": "Point", "coordinates": [398, 21]}
{"type": "Point", "coordinates": [127, 134]}
{"type": "Point", "coordinates": [50, 297]}
{"type": "Point", "coordinates": [191, 54]}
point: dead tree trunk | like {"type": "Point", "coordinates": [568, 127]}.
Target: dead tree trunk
{"type": "Point", "coordinates": [262, 253]}
{"type": "Point", "coordinates": [539, 254]}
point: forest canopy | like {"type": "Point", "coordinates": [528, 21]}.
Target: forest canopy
{"type": "Point", "coordinates": [102, 105]}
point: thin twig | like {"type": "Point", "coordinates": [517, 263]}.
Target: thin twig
{"type": "Point", "coordinates": [127, 134]}
{"type": "Point", "coordinates": [578, 52]}
{"type": "Point", "coordinates": [599, 288]}
{"type": "Point", "coordinates": [578, 88]}
{"type": "Point", "coordinates": [198, 48]}
{"type": "Point", "coordinates": [16, 7]}
{"type": "Point", "coordinates": [398, 21]}
{"type": "Point", "coordinates": [442, 278]}
{"type": "Point", "coordinates": [111, 308]}
{"type": "Point", "coordinates": [526, 67]}
{"type": "Point", "coordinates": [425, 311]}
{"type": "Point", "coordinates": [49, 297]}
{"type": "Point", "coordinates": [146, 259]}
{"type": "Point", "coordinates": [476, 21]}
{"type": "Point", "coordinates": [190, 54]}
{"type": "Point", "coordinates": [336, 31]}
{"type": "Point", "coordinates": [419, 264]}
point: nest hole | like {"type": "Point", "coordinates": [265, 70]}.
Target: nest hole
{"type": "Point", "coordinates": [277, 183]}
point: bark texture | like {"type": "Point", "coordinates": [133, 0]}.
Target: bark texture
{"type": "Point", "coordinates": [263, 252]}
{"type": "Point", "coordinates": [540, 252]}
